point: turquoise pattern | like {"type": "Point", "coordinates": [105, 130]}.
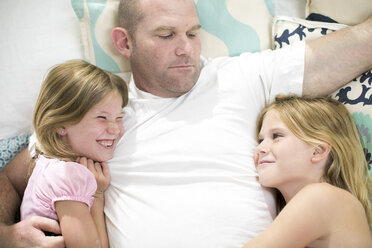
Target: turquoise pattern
{"type": "Point", "coordinates": [10, 147]}
{"type": "Point", "coordinates": [363, 123]}
{"type": "Point", "coordinates": [215, 19]}
{"type": "Point", "coordinates": [103, 60]}
{"type": "Point", "coordinates": [270, 7]}
{"type": "Point", "coordinates": [78, 6]}
{"type": "Point", "coordinates": [95, 9]}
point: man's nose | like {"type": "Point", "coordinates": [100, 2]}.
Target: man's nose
{"type": "Point", "coordinates": [184, 46]}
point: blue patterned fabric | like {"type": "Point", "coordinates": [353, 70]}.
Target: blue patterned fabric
{"type": "Point", "coordinates": [356, 95]}
{"type": "Point", "coordinates": [10, 147]}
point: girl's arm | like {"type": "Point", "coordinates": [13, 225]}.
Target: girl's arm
{"type": "Point", "coordinates": [306, 218]}
{"type": "Point", "coordinates": [102, 176]}
{"type": "Point", "coordinates": [77, 225]}
{"type": "Point", "coordinates": [99, 218]}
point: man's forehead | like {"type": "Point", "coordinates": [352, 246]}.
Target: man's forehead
{"type": "Point", "coordinates": [166, 8]}
{"type": "Point", "coordinates": [168, 16]}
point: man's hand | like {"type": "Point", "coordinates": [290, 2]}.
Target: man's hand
{"type": "Point", "coordinates": [30, 233]}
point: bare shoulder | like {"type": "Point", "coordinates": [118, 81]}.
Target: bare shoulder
{"type": "Point", "coordinates": [317, 216]}
{"type": "Point", "coordinates": [321, 202]}
{"type": "Point", "coordinates": [329, 197]}
{"type": "Point", "coordinates": [341, 213]}
{"type": "Point", "coordinates": [338, 213]}
{"type": "Point", "coordinates": [332, 205]}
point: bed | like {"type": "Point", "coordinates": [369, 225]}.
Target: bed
{"type": "Point", "coordinates": [41, 33]}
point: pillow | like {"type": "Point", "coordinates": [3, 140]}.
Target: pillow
{"type": "Point", "coordinates": [356, 95]}
{"type": "Point", "coordinates": [35, 35]}
{"type": "Point", "coordinates": [229, 28]}
{"type": "Point", "coordinates": [10, 147]}
{"type": "Point", "coordinates": [343, 11]}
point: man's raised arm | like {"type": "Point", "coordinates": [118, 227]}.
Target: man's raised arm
{"type": "Point", "coordinates": [337, 58]}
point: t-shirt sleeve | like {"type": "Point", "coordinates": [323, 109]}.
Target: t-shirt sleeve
{"type": "Point", "coordinates": [70, 181]}
{"type": "Point", "coordinates": [273, 72]}
{"type": "Point", "coordinates": [283, 70]}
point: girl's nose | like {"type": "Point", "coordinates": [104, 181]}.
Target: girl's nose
{"type": "Point", "coordinates": [113, 128]}
{"type": "Point", "coordinates": [262, 148]}
{"type": "Point", "coordinates": [260, 151]}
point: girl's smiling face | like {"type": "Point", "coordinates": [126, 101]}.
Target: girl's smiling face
{"type": "Point", "coordinates": [98, 133]}
{"type": "Point", "coordinates": [282, 159]}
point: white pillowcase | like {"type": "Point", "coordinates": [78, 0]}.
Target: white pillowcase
{"type": "Point", "coordinates": [35, 35]}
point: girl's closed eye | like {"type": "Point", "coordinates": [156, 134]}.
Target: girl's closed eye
{"type": "Point", "coordinates": [101, 117]}
{"type": "Point", "coordinates": [120, 116]}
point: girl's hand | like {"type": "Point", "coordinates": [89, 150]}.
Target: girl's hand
{"type": "Point", "coordinates": [100, 172]}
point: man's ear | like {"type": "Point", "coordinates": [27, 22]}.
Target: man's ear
{"type": "Point", "coordinates": [320, 152]}
{"type": "Point", "coordinates": [121, 42]}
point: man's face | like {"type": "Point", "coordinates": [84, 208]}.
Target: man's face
{"type": "Point", "coordinates": [165, 52]}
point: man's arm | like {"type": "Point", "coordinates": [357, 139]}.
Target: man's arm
{"type": "Point", "coordinates": [337, 58]}
{"type": "Point", "coordinates": [13, 183]}
{"type": "Point", "coordinates": [27, 233]}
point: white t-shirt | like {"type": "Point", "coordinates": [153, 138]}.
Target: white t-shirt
{"type": "Point", "coordinates": [183, 173]}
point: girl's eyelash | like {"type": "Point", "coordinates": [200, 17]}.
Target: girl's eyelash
{"type": "Point", "coordinates": [276, 135]}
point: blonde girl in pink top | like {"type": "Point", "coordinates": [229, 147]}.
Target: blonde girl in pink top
{"type": "Point", "coordinates": [78, 123]}
{"type": "Point", "coordinates": [309, 150]}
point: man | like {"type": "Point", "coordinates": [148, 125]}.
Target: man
{"type": "Point", "coordinates": [183, 175]}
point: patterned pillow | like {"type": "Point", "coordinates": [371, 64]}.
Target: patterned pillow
{"type": "Point", "coordinates": [343, 11]}
{"type": "Point", "coordinates": [356, 95]}
{"type": "Point", "coordinates": [229, 28]}
{"type": "Point", "coordinates": [10, 147]}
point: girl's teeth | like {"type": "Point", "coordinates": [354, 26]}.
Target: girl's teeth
{"type": "Point", "coordinates": [106, 143]}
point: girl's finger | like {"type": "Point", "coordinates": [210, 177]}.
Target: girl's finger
{"type": "Point", "coordinates": [83, 161]}
{"type": "Point", "coordinates": [98, 167]}
{"type": "Point", "coordinates": [91, 165]}
{"type": "Point", "coordinates": [105, 169]}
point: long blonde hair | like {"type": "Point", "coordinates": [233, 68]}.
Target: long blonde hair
{"type": "Point", "coordinates": [325, 120]}
{"type": "Point", "coordinates": [68, 92]}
